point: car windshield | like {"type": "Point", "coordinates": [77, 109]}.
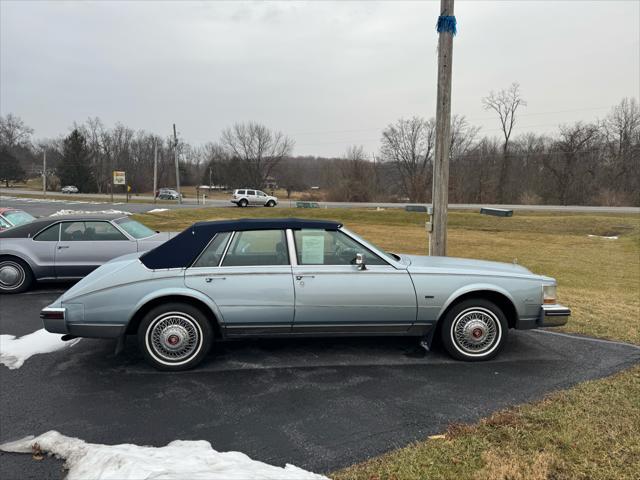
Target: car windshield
{"type": "Point", "coordinates": [136, 229]}
{"type": "Point", "coordinates": [388, 256]}
{"type": "Point", "coordinates": [18, 217]}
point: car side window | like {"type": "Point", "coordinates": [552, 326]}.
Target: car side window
{"type": "Point", "coordinates": [251, 192]}
{"type": "Point", "coordinates": [330, 247]}
{"type": "Point", "coordinates": [90, 232]}
{"type": "Point", "coordinates": [240, 192]}
{"type": "Point", "coordinates": [262, 194]}
{"type": "Point", "coordinates": [211, 255]}
{"type": "Point", "coordinates": [50, 234]}
{"type": "Point", "coordinates": [256, 248]}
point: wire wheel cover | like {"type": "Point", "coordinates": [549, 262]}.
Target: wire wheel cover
{"type": "Point", "coordinates": [174, 337]}
{"type": "Point", "coordinates": [476, 330]}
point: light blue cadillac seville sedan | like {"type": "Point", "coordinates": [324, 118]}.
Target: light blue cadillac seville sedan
{"type": "Point", "coordinates": [293, 277]}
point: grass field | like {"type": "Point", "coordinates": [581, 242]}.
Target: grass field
{"type": "Point", "coordinates": [591, 431]}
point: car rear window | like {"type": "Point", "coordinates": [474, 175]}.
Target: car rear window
{"type": "Point", "coordinates": [213, 253]}
{"type": "Point", "coordinates": [239, 192]}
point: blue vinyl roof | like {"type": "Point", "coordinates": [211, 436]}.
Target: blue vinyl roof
{"type": "Point", "coordinates": [182, 250]}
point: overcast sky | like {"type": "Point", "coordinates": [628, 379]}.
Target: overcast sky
{"type": "Point", "coordinates": [329, 74]}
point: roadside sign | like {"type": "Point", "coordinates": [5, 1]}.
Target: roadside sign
{"type": "Point", "coordinates": [119, 178]}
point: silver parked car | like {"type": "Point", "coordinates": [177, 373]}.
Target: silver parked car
{"type": "Point", "coordinates": [68, 247]}
{"type": "Point", "coordinates": [70, 189]}
{"type": "Point", "coordinates": [245, 197]}
{"type": "Point", "coordinates": [242, 278]}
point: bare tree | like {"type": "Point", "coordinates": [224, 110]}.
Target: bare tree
{"type": "Point", "coordinates": [352, 178]}
{"type": "Point", "coordinates": [257, 148]}
{"type": "Point", "coordinates": [290, 175]}
{"type": "Point", "coordinates": [622, 129]}
{"type": "Point", "coordinates": [505, 103]}
{"type": "Point", "coordinates": [568, 161]}
{"type": "Point", "coordinates": [14, 132]}
{"type": "Point", "coordinates": [463, 136]}
{"type": "Point", "coordinates": [409, 144]}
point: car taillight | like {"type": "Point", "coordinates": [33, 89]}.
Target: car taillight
{"type": "Point", "coordinates": [50, 314]}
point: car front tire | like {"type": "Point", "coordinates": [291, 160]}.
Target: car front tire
{"type": "Point", "coordinates": [271, 203]}
{"type": "Point", "coordinates": [474, 330]}
{"type": "Point", "coordinates": [15, 275]}
{"type": "Point", "coordinates": [175, 336]}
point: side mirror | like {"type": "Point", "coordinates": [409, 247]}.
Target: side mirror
{"type": "Point", "coordinates": [360, 261]}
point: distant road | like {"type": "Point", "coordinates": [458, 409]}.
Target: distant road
{"type": "Point", "coordinates": [96, 202]}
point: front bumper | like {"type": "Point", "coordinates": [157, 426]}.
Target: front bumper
{"type": "Point", "coordinates": [55, 320]}
{"type": "Point", "coordinates": [553, 315]}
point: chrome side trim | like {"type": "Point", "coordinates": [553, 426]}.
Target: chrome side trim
{"type": "Point", "coordinates": [291, 245]}
{"type": "Point", "coordinates": [226, 249]}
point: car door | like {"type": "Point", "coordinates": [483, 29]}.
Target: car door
{"type": "Point", "coordinates": [85, 245]}
{"type": "Point", "coordinates": [334, 295]}
{"type": "Point", "coordinates": [248, 275]}
{"type": "Point", "coordinates": [42, 250]}
{"type": "Point", "coordinates": [261, 198]}
{"type": "Point", "coordinates": [252, 197]}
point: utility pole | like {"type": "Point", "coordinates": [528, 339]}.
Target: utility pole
{"type": "Point", "coordinates": [111, 175]}
{"type": "Point", "coordinates": [175, 157]}
{"type": "Point", "coordinates": [155, 169]}
{"type": "Point", "coordinates": [44, 172]}
{"type": "Point", "coordinates": [440, 198]}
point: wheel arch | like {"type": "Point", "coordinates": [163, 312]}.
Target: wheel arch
{"type": "Point", "coordinates": [498, 296]}
{"type": "Point", "coordinates": [20, 256]}
{"type": "Point", "coordinates": [212, 314]}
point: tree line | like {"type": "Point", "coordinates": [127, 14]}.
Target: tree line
{"type": "Point", "coordinates": [583, 163]}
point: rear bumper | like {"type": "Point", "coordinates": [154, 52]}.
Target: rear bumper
{"type": "Point", "coordinates": [553, 315]}
{"type": "Point", "coordinates": [55, 321]}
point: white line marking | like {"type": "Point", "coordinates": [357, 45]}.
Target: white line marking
{"type": "Point", "coordinates": [588, 339]}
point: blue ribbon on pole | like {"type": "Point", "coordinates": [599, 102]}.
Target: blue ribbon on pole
{"type": "Point", "coordinates": [447, 23]}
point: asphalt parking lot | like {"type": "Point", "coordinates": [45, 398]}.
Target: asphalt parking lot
{"type": "Point", "coordinates": [319, 404]}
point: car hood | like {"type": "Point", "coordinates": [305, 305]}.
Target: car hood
{"type": "Point", "coordinates": [420, 263]}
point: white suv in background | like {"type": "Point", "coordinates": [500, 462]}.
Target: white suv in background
{"type": "Point", "coordinates": [247, 196]}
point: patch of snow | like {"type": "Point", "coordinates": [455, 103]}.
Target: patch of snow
{"type": "Point", "coordinates": [156, 210]}
{"type": "Point", "coordinates": [85, 212]}
{"type": "Point", "coordinates": [179, 459]}
{"type": "Point", "coordinates": [15, 351]}
{"type": "Point", "coordinates": [600, 236]}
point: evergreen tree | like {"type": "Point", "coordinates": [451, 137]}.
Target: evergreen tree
{"type": "Point", "coordinates": [75, 168]}
{"type": "Point", "coordinates": [10, 169]}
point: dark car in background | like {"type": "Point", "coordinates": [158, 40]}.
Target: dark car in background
{"type": "Point", "coordinates": [68, 247]}
{"type": "Point", "coordinates": [167, 194]}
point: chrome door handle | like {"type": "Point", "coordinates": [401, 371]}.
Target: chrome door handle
{"type": "Point", "coordinates": [211, 279]}
{"type": "Point", "coordinates": [60, 247]}
{"type": "Point", "coordinates": [300, 277]}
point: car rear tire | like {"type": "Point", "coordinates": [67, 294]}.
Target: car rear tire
{"type": "Point", "coordinates": [175, 336]}
{"type": "Point", "coordinates": [271, 203]}
{"type": "Point", "coordinates": [15, 275]}
{"type": "Point", "coordinates": [474, 330]}
{"type": "Point", "coordinates": [243, 203]}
